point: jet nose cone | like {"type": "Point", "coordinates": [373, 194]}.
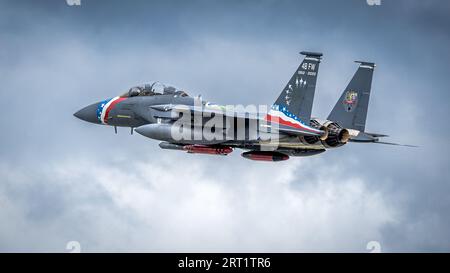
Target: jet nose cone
{"type": "Point", "coordinates": [88, 113]}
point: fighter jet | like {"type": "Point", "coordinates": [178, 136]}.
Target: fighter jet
{"type": "Point", "coordinates": [286, 129]}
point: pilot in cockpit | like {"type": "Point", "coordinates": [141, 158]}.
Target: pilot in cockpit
{"type": "Point", "coordinates": [156, 88]}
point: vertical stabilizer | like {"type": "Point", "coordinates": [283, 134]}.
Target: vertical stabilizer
{"type": "Point", "coordinates": [298, 95]}
{"type": "Point", "coordinates": [350, 110]}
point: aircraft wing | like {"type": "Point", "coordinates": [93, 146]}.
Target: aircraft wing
{"type": "Point", "coordinates": [217, 110]}
{"type": "Point", "coordinates": [240, 117]}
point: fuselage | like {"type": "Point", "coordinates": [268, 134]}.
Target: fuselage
{"type": "Point", "coordinates": [139, 111]}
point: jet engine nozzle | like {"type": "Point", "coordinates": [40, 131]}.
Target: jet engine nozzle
{"type": "Point", "coordinates": [325, 134]}
{"type": "Point", "coordinates": [344, 136]}
{"type": "Point", "coordinates": [337, 136]}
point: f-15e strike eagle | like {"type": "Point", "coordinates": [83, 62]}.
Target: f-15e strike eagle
{"type": "Point", "coordinates": [190, 124]}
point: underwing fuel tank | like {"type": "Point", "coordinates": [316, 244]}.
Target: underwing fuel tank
{"type": "Point", "coordinates": [265, 156]}
{"type": "Point", "coordinates": [173, 134]}
{"type": "Point", "coordinates": [210, 150]}
{"type": "Point", "coordinates": [170, 146]}
{"type": "Point", "coordinates": [197, 149]}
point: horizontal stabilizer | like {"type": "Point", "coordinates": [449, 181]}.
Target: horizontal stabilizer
{"type": "Point", "coordinates": [395, 144]}
{"type": "Point", "coordinates": [363, 137]}
{"type": "Point", "coordinates": [375, 135]}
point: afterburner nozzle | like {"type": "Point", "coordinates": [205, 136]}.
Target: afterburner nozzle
{"type": "Point", "coordinates": [325, 133]}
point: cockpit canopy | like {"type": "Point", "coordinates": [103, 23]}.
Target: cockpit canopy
{"type": "Point", "coordinates": [154, 89]}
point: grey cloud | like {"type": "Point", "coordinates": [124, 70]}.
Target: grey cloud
{"type": "Point", "coordinates": [144, 207]}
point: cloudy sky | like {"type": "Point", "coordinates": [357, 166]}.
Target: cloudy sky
{"type": "Point", "coordinates": [62, 179]}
